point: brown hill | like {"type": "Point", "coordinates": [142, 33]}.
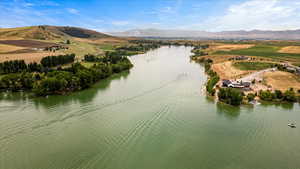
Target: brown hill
{"type": "Point", "coordinates": [52, 33]}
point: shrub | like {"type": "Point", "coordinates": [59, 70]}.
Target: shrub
{"type": "Point", "coordinates": [278, 94]}
{"type": "Point", "coordinates": [266, 95]}
{"type": "Point", "coordinates": [250, 97]}
{"type": "Point", "coordinates": [211, 84]}
{"type": "Point", "coordinates": [290, 96]}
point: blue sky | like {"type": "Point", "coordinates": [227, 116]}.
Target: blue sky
{"type": "Point", "coordinates": [120, 15]}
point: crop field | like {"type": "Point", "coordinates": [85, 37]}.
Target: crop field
{"type": "Point", "coordinates": [229, 47]}
{"type": "Point", "coordinates": [262, 51]}
{"type": "Point", "coordinates": [9, 48]}
{"type": "Point", "coordinates": [27, 57]}
{"type": "Point", "coordinates": [290, 49]}
{"type": "Point", "coordinates": [27, 43]}
{"type": "Point", "coordinates": [252, 65]}
{"type": "Point", "coordinates": [82, 48]}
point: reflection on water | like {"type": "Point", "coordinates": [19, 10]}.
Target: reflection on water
{"type": "Point", "coordinates": [230, 112]}
{"type": "Point", "coordinates": [81, 97]}
{"type": "Point", "coordinates": [286, 106]}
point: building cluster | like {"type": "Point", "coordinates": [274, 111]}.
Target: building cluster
{"type": "Point", "coordinates": [236, 84]}
{"type": "Point", "coordinates": [55, 48]}
{"type": "Point", "coordinates": [240, 58]}
{"type": "Point", "coordinates": [291, 68]}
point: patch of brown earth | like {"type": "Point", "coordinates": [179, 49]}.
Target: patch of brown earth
{"type": "Point", "coordinates": [229, 47]}
{"type": "Point", "coordinates": [27, 57]}
{"type": "Point", "coordinates": [290, 49]}
{"type": "Point", "coordinates": [27, 43]}
{"type": "Point", "coordinates": [9, 48]}
{"type": "Point", "coordinates": [227, 71]}
{"type": "Point", "coordinates": [109, 40]}
{"type": "Point", "coordinates": [282, 80]}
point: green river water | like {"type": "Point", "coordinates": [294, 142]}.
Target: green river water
{"type": "Point", "coordinates": [154, 117]}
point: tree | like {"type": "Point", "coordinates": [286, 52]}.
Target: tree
{"type": "Point", "coordinates": [290, 95]}
{"type": "Point", "coordinates": [250, 97]}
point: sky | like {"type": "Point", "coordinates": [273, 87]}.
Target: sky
{"type": "Point", "coordinates": [122, 15]}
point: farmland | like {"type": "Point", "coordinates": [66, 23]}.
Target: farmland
{"type": "Point", "coordinates": [238, 60]}
{"type": "Point", "coordinates": [252, 65]}
{"type": "Point", "coordinates": [267, 51]}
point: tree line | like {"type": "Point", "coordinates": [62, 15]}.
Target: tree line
{"type": "Point", "coordinates": [278, 96]}
{"type": "Point", "coordinates": [63, 80]}
{"type": "Point", "coordinates": [17, 66]}
{"type": "Point", "coordinates": [52, 61]}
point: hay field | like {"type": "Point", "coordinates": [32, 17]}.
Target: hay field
{"type": "Point", "coordinates": [9, 48]}
{"type": "Point", "coordinates": [290, 49]}
{"type": "Point", "coordinates": [282, 80]}
{"type": "Point", "coordinates": [227, 71]}
{"type": "Point", "coordinates": [27, 57]}
{"type": "Point", "coordinates": [229, 47]}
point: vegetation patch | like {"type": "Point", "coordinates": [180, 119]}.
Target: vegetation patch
{"type": "Point", "coordinates": [43, 80]}
{"type": "Point", "coordinates": [253, 65]}
{"type": "Point", "coordinates": [262, 51]}
{"type": "Point", "coordinates": [231, 96]}
{"type": "Point", "coordinates": [278, 96]}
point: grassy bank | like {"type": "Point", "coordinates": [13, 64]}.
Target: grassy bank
{"type": "Point", "coordinates": [253, 65]}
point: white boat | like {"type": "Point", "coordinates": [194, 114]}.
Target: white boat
{"type": "Point", "coordinates": [292, 125]}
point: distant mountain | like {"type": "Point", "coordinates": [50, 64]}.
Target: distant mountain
{"type": "Point", "coordinates": [51, 33]}
{"type": "Point", "coordinates": [192, 34]}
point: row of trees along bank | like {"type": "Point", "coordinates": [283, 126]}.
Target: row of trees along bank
{"type": "Point", "coordinates": [47, 81]}
{"type": "Point", "coordinates": [18, 66]}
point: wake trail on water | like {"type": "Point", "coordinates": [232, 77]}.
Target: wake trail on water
{"type": "Point", "coordinates": [121, 101]}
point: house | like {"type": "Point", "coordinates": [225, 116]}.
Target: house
{"type": "Point", "coordinates": [236, 84]}
{"type": "Point", "coordinates": [246, 84]}
{"type": "Point", "coordinates": [240, 58]}
{"type": "Point", "coordinates": [298, 71]}
{"type": "Point", "coordinates": [291, 69]}
{"type": "Point", "coordinates": [226, 83]}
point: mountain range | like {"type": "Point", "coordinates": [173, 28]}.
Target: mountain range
{"type": "Point", "coordinates": [193, 34]}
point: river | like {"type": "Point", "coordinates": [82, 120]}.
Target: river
{"type": "Point", "coordinates": [154, 117]}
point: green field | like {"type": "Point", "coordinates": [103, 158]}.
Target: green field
{"type": "Point", "coordinates": [88, 64]}
{"type": "Point", "coordinates": [253, 65]}
{"type": "Point", "coordinates": [263, 51]}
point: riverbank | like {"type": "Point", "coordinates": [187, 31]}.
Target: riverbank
{"type": "Point", "coordinates": [250, 84]}
{"type": "Point", "coordinates": [60, 75]}
{"type": "Point", "coordinates": [156, 116]}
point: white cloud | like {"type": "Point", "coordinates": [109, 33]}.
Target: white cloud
{"type": "Point", "coordinates": [73, 11]}
{"type": "Point", "coordinates": [167, 10]}
{"type": "Point", "coordinates": [120, 23]}
{"type": "Point", "coordinates": [257, 14]}
{"type": "Point", "coordinates": [28, 4]}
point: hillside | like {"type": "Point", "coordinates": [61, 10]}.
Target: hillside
{"type": "Point", "coordinates": [194, 34]}
{"type": "Point", "coordinates": [30, 43]}
{"type": "Point", "coordinates": [51, 33]}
